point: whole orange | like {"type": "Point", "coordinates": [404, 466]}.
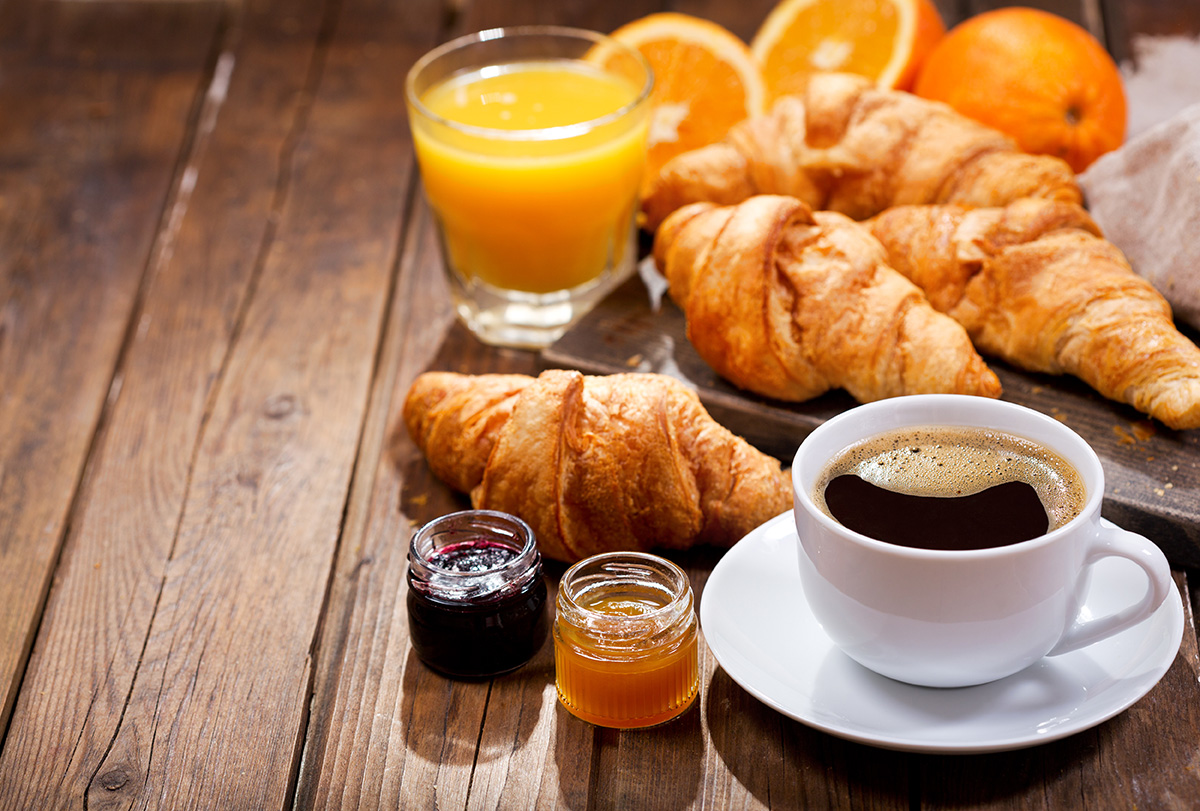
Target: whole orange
{"type": "Point", "coordinates": [1039, 78]}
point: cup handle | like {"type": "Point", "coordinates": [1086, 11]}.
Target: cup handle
{"type": "Point", "coordinates": [1112, 541]}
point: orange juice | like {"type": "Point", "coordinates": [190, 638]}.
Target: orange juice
{"type": "Point", "coordinates": [532, 169]}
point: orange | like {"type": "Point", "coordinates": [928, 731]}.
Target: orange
{"type": "Point", "coordinates": [705, 81]}
{"type": "Point", "coordinates": [884, 40]}
{"type": "Point", "coordinates": [1041, 79]}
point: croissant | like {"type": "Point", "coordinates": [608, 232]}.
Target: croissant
{"type": "Point", "coordinates": [850, 146]}
{"type": "Point", "coordinates": [790, 304]}
{"type": "Point", "coordinates": [595, 464]}
{"type": "Point", "coordinates": [1036, 284]}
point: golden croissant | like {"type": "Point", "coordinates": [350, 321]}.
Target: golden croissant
{"type": "Point", "coordinates": [595, 464]}
{"type": "Point", "coordinates": [849, 146]}
{"type": "Point", "coordinates": [1036, 284]}
{"type": "Point", "coordinates": [790, 304]}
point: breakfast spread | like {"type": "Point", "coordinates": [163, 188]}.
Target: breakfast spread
{"type": "Point", "coordinates": [856, 236]}
{"type": "Point", "coordinates": [790, 303]}
{"type": "Point", "coordinates": [595, 463]}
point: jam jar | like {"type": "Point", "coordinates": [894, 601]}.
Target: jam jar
{"type": "Point", "coordinates": [476, 594]}
{"type": "Point", "coordinates": [626, 650]}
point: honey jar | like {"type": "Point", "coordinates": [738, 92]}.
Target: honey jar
{"type": "Point", "coordinates": [625, 640]}
{"type": "Point", "coordinates": [476, 594]}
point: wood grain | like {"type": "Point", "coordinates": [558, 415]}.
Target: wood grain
{"type": "Point", "coordinates": [94, 124]}
{"type": "Point", "coordinates": [111, 580]}
{"type": "Point", "coordinates": [289, 413]}
{"type": "Point", "coordinates": [287, 410]}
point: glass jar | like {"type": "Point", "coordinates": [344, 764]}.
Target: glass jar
{"type": "Point", "coordinates": [626, 648]}
{"type": "Point", "coordinates": [476, 594]}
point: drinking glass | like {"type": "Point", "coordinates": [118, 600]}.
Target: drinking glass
{"type": "Point", "coordinates": [531, 143]}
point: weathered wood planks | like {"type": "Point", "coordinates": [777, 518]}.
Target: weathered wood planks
{"type": "Point", "coordinates": [98, 102]}
{"type": "Point", "coordinates": [249, 366]}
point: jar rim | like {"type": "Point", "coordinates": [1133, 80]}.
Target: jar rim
{"type": "Point", "coordinates": [464, 525]}
{"type": "Point", "coordinates": [636, 570]}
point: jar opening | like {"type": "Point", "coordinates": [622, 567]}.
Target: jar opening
{"type": "Point", "coordinates": [625, 601]}
{"type": "Point", "coordinates": [473, 555]}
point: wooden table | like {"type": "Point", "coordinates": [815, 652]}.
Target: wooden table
{"type": "Point", "coordinates": [217, 281]}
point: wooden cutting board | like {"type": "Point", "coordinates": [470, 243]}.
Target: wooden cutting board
{"type": "Point", "coordinates": [1152, 474]}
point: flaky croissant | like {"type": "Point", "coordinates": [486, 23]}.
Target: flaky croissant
{"type": "Point", "coordinates": [595, 464]}
{"type": "Point", "coordinates": [1036, 284]}
{"type": "Point", "coordinates": [791, 304]}
{"type": "Point", "coordinates": [850, 146]}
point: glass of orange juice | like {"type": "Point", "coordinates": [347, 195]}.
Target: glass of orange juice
{"type": "Point", "coordinates": [531, 143]}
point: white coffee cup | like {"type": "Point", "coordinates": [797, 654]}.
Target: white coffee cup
{"type": "Point", "coordinates": [955, 618]}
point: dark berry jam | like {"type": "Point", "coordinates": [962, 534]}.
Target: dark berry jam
{"type": "Point", "coordinates": [476, 640]}
{"type": "Point", "coordinates": [478, 555]}
{"type": "Point", "coordinates": [476, 594]}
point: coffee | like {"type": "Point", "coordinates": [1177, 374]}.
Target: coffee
{"type": "Point", "coordinates": [953, 619]}
{"type": "Point", "coordinates": [946, 487]}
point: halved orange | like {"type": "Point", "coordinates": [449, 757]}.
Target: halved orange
{"type": "Point", "coordinates": [884, 40]}
{"type": "Point", "coordinates": [705, 81]}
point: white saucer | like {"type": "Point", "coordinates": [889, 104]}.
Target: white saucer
{"type": "Point", "coordinates": [758, 625]}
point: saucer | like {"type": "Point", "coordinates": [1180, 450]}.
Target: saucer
{"type": "Point", "coordinates": [758, 625]}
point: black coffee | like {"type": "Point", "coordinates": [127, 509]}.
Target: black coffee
{"type": "Point", "coordinates": [998, 516]}
{"type": "Point", "coordinates": [950, 488]}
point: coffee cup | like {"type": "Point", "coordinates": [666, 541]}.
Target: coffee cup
{"type": "Point", "coordinates": [942, 617]}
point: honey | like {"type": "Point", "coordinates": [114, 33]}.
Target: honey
{"type": "Point", "coordinates": [626, 650]}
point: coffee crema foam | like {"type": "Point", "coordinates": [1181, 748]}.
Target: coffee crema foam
{"type": "Point", "coordinates": [950, 461]}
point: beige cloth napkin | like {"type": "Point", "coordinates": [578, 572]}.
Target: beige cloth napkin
{"type": "Point", "coordinates": [1146, 198]}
